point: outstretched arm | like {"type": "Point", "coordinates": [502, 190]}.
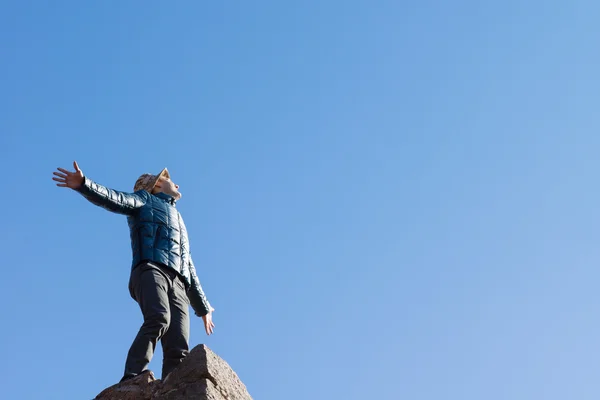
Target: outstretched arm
{"type": "Point", "coordinates": [198, 300]}
{"type": "Point", "coordinates": [112, 200]}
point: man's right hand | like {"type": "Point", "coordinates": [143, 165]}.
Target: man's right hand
{"type": "Point", "coordinates": [69, 179]}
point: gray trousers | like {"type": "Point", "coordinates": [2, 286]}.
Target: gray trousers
{"type": "Point", "coordinates": [162, 298]}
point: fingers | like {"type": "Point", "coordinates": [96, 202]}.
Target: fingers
{"type": "Point", "coordinates": [209, 326]}
{"type": "Point", "coordinates": [65, 171]}
{"type": "Point", "coordinates": [61, 178]}
{"type": "Point", "coordinates": [210, 329]}
{"type": "Point", "coordinates": [76, 166]}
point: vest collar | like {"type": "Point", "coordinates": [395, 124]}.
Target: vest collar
{"type": "Point", "coordinates": [166, 197]}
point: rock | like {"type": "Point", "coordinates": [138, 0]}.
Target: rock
{"type": "Point", "coordinates": [201, 376]}
{"type": "Point", "coordinates": [141, 387]}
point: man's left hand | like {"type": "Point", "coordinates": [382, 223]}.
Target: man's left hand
{"type": "Point", "coordinates": [209, 325]}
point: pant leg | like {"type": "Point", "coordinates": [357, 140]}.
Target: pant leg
{"type": "Point", "coordinates": [150, 288]}
{"type": "Point", "coordinates": [175, 341]}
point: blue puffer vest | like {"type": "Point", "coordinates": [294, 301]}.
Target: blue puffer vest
{"type": "Point", "coordinates": [157, 233]}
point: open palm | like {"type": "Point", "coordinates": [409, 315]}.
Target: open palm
{"type": "Point", "coordinates": [69, 179]}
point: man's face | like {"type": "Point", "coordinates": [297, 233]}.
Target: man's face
{"type": "Point", "coordinates": [166, 186]}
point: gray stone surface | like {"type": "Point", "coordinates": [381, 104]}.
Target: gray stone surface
{"type": "Point", "coordinates": [201, 376]}
{"type": "Point", "coordinates": [204, 389]}
{"type": "Point", "coordinates": [141, 387]}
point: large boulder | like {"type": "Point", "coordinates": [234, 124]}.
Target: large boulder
{"type": "Point", "coordinates": [201, 376]}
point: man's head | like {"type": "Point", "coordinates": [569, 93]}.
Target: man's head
{"type": "Point", "coordinates": [165, 185]}
{"type": "Point", "coordinates": [160, 183]}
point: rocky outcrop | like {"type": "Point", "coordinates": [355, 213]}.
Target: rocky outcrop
{"type": "Point", "coordinates": [201, 376]}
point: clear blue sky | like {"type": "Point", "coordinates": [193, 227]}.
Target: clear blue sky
{"type": "Point", "coordinates": [385, 200]}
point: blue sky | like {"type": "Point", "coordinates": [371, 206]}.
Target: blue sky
{"type": "Point", "coordinates": [385, 200]}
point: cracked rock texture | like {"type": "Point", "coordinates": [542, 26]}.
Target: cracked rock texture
{"type": "Point", "coordinates": [201, 376]}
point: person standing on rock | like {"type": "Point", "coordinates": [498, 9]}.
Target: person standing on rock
{"type": "Point", "coordinates": [163, 278]}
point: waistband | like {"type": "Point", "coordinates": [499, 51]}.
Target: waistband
{"type": "Point", "coordinates": [168, 271]}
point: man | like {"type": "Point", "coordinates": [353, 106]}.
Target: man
{"type": "Point", "coordinates": [163, 277]}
